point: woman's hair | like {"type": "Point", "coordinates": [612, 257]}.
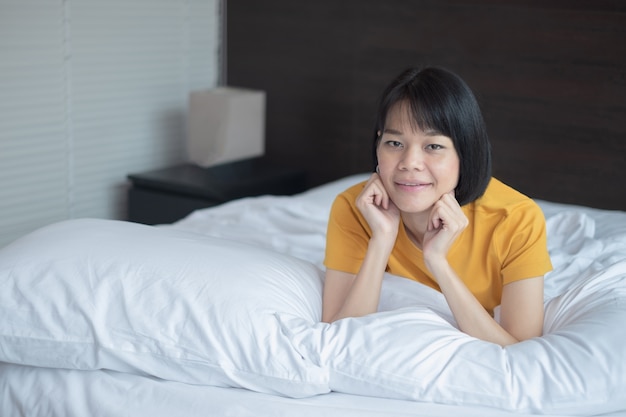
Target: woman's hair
{"type": "Point", "coordinates": [440, 100]}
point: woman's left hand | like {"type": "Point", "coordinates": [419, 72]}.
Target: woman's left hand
{"type": "Point", "coordinates": [445, 224]}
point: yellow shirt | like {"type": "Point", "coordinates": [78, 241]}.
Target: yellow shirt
{"type": "Point", "coordinates": [505, 241]}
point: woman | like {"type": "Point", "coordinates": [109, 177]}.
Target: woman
{"type": "Point", "coordinates": [432, 213]}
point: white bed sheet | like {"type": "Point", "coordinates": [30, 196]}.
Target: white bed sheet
{"type": "Point", "coordinates": [295, 226]}
{"type": "Point", "coordinates": [28, 392]}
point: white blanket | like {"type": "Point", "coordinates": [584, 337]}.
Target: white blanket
{"type": "Point", "coordinates": [577, 367]}
{"type": "Point", "coordinates": [231, 297]}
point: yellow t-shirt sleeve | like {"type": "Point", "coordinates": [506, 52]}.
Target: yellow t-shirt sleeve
{"type": "Point", "coordinates": [348, 234]}
{"type": "Point", "coordinates": [521, 241]}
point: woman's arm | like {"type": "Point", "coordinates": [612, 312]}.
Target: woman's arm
{"type": "Point", "coordinates": [521, 308]}
{"type": "Point", "coordinates": [522, 301]}
{"type": "Point", "coordinates": [521, 314]}
{"type": "Point", "coordinates": [349, 295]}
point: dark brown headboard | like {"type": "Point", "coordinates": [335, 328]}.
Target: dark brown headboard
{"type": "Point", "coordinates": [550, 76]}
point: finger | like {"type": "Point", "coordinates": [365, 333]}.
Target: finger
{"type": "Point", "coordinates": [434, 224]}
{"type": "Point", "coordinates": [371, 195]}
{"type": "Point", "coordinates": [449, 199]}
{"type": "Point", "coordinates": [382, 198]}
{"type": "Point", "coordinates": [450, 207]}
{"type": "Point", "coordinates": [378, 198]}
{"type": "Point", "coordinates": [443, 215]}
{"type": "Point", "coordinates": [450, 217]}
{"type": "Point", "coordinates": [435, 218]}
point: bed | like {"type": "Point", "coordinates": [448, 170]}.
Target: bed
{"type": "Point", "coordinates": [218, 314]}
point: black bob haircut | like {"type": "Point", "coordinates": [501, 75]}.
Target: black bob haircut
{"type": "Point", "coordinates": [440, 100]}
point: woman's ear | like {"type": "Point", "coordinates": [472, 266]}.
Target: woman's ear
{"type": "Point", "coordinates": [378, 138]}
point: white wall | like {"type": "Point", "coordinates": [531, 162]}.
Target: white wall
{"type": "Point", "coordinates": [90, 91]}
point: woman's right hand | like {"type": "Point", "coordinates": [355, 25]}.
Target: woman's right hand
{"type": "Point", "coordinates": [381, 214]}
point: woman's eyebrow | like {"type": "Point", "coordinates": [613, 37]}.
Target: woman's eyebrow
{"type": "Point", "coordinates": [392, 131]}
{"type": "Point", "coordinates": [433, 132]}
{"type": "Point", "coordinates": [427, 132]}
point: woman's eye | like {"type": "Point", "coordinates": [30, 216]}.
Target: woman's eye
{"type": "Point", "coordinates": [394, 143]}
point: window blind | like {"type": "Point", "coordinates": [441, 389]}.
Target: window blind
{"type": "Point", "coordinates": [92, 91]}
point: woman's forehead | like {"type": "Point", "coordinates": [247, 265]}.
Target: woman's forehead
{"type": "Point", "coordinates": [402, 116]}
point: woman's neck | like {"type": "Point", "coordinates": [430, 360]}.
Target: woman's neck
{"type": "Point", "coordinates": [415, 225]}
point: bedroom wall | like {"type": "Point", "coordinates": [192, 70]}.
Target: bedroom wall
{"type": "Point", "coordinates": [550, 76]}
{"type": "Point", "coordinates": [89, 92]}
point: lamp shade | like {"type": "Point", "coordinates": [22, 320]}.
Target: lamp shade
{"type": "Point", "coordinates": [225, 124]}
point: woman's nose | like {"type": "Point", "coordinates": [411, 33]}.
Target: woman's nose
{"type": "Point", "coordinates": [413, 158]}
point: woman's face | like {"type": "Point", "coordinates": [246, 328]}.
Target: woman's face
{"type": "Point", "coordinates": [416, 167]}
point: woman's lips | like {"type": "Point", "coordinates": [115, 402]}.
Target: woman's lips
{"type": "Point", "coordinates": [412, 185]}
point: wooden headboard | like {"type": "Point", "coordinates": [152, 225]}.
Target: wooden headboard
{"type": "Point", "coordinates": [550, 76]}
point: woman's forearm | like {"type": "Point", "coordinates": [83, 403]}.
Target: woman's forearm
{"type": "Point", "coordinates": [470, 315]}
{"type": "Point", "coordinates": [364, 293]}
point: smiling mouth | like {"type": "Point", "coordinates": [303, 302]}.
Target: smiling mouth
{"type": "Point", "coordinates": [413, 185]}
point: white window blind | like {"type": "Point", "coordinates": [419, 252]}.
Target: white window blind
{"type": "Point", "coordinates": [91, 91]}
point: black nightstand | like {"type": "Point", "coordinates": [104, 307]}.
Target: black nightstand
{"type": "Point", "coordinates": [167, 195]}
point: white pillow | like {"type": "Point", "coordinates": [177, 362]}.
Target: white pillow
{"type": "Point", "coordinates": [92, 294]}
{"type": "Point", "coordinates": [415, 352]}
